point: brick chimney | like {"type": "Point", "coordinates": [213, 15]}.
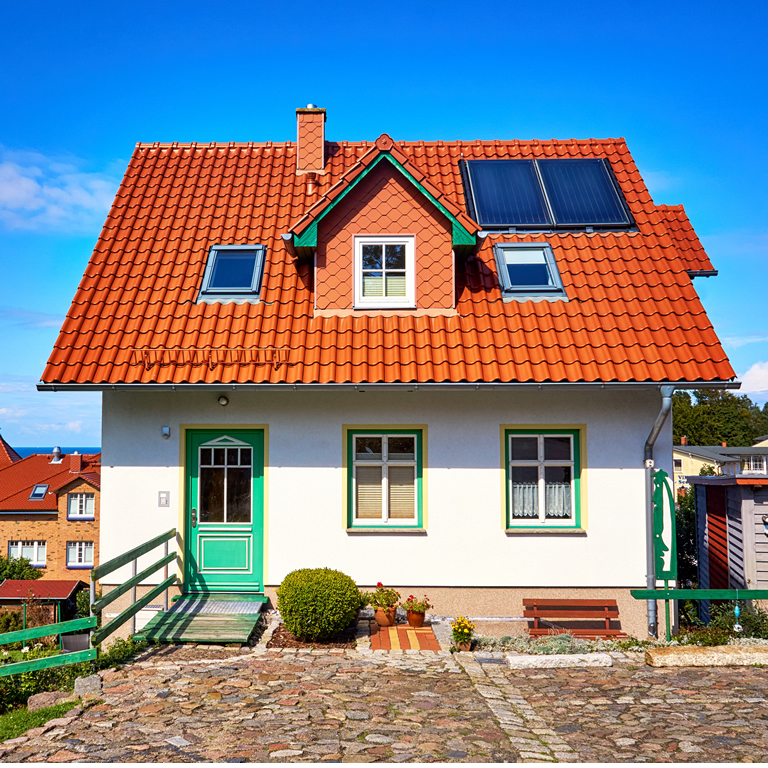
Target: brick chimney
{"type": "Point", "coordinates": [725, 445]}
{"type": "Point", "coordinates": [683, 440]}
{"type": "Point", "coordinates": [310, 140]}
{"type": "Point", "coordinates": [75, 462]}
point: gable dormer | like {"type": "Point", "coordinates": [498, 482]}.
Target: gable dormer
{"type": "Point", "coordinates": [383, 240]}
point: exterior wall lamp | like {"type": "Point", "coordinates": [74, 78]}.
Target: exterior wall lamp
{"type": "Point", "coordinates": [165, 432]}
{"type": "Point", "coordinates": [223, 400]}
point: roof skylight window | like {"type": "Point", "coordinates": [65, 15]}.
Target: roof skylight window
{"type": "Point", "coordinates": [528, 270]}
{"type": "Point", "coordinates": [545, 194]}
{"type": "Point", "coordinates": [38, 493]}
{"type": "Point", "coordinates": [233, 272]}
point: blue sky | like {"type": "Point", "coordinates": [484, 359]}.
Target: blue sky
{"type": "Point", "coordinates": [684, 83]}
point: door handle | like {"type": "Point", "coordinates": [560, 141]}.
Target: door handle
{"type": "Point", "coordinates": [194, 518]}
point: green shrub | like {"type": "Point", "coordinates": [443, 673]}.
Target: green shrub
{"type": "Point", "coordinates": [317, 603]}
{"type": "Point", "coordinates": [10, 621]}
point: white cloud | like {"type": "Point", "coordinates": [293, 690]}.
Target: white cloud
{"type": "Point", "coordinates": [28, 319]}
{"type": "Point", "coordinates": [740, 341]}
{"type": "Point", "coordinates": [53, 194]}
{"type": "Point", "coordinates": [755, 380]}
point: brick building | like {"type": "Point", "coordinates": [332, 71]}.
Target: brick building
{"type": "Point", "coordinates": [49, 510]}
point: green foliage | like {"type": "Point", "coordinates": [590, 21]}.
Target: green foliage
{"type": "Point", "coordinates": [717, 416]}
{"type": "Point", "coordinates": [16, 689]}
{"type": "Point", "coordinates": [685, 525]}
{"type": "Point", "coordinates": [83, 603]}
{"type": "Point", "coordinates": [19, 721]}
{"type": "Point", "coordinates": [18, 568]}
{"type": "Point", "coordinates": [381, 597]}
{"type": "Point", "coordinates": [10, 621]}
{"type": "Point", "coordinates": [317, 603]}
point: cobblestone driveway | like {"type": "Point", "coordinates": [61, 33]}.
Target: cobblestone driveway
{"type": "Point", "coordinates": [411, 707]}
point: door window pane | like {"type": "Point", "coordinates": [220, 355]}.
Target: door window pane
{"type": "Point", "coordinates": [205, 456]}
{"type": "Point", "coordinates": [238, 495]}
{"type": "Point", "coordinates": [212, 493]}
{"type": "Point", "coordinates": [218, 457]}
{"type": "Point", "coordinates": [245, 457]}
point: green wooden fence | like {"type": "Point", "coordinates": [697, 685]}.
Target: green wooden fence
{"type": "Point", "coordinates": [89, 624]}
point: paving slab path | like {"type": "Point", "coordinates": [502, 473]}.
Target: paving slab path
{"type": "Point", "coordinates": [231, 705]}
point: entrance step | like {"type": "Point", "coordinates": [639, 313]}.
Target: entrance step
{"type": "Point", "coordinates": [206, 618]}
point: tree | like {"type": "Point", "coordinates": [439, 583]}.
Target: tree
{"type": "Point", "coordinates": [17, 568]}
{"type": "Point", "coordinates": [717, 416]}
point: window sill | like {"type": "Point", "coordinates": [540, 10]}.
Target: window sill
{"type": "Point", "coordinates": [549, 531]}
{"type": "Point", "coordinates": [79, 567]}
{"type": "Point", "coordinates": [37, 565]}
{"type": "Point", "coordinates": [80, 519]}
{"type": "Point", "coordinates": [388, 529]}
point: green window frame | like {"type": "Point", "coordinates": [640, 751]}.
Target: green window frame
{"type": "Point", "coordinates": [393, 467]}
{"type": "Point", "coordinates": [542, 506]}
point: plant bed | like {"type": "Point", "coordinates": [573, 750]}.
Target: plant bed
{"type": "Point", "coordinates": [19, 721]}
{"type": "Point", "coordinates": [282, 638]}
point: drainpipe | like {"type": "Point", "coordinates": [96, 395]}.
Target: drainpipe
{"type": "Point", "coordinates": [650, 564]}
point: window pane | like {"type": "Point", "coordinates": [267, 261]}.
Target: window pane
{"type": "Point", "coordinates": [396, 285]}
{"type": "Point", "coordinates": [368, 448]}
{"type": "Point", "coordinates": [205, 456]}
{"type": "Point", "coordinates": [401, 448]}
{"type": "Point", "coordinates": [233, 270]}
{"type": "Point", "coordinates": [71, 553]}
{"type": "Point", "coordinates": [88, 553]}
{"type": "Point", "coordinates": [525, 492]}
{"type": "Point", "coordinates": [74, 505]}
{"type": "Point", "coordinates": [372, 257]}
{"type": "Point", "coordinates": [402, 492]}
{"type": "Point", "coordinates": [557, 448]}
{"type": "Point", "coordinates": [245, 457]}
{"type": "Point", "coordinates": [527, 267]}
{"type": "Point", "coordinates": [41, 552]}
{"type": "Point", "coordinates": [238, 495]}
{"type": "Point", "coordinates": [28, 550]}
{"type": "Point", "coordinates": [90, 505]}
{"type": "Point", "coordinates": [14, 548]}
{"type": "Point", "coordinates": [212, 495]}
{"type": "Point", "coordinates": [557, 482]}
{"type": "Point", "coordinates": [373, 284]}
{"type": "Point", "coordinates": [524, 449]}
{"type": "Point", "coordinates": [218, 457]}
{"type": "Point", "coordinates": [368, 493]}
{"type": "Point", "coordinates": [232, 456]}
{"type": "Point", "coordinates": [395, 256]}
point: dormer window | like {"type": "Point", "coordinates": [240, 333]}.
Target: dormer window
{"type": "Point", "coordinates": [384, 272]}
{"type": "Point", "coordinates": [233, 272]}
{"type": "Point", "coordinates": [528, 270]}
{"type": "Point", "coordinates": [38, 493]}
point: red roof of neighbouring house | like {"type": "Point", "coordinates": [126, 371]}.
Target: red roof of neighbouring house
{"type": "Point", "coordinates": [633, 314]}
{"type": "Point", "coordinates": [18, 479]}
{"type": "Point", "coordinates": [7, 454]}
{"type": "Point", "coordinates": [42, 589]}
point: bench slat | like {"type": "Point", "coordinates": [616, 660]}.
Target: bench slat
{"type": "Point", "coordinates": [574, 602]}
{"type": "Point", "coordinates": [548, 613]}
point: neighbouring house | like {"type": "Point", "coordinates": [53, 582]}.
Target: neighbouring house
{"type": "Point", "coordinates": [689, 460]}
{"type": "Point", "coordinates": [440, 365]}
{"type": "Point", "coordinates": [42, 601]}
{"type": "Point", "coordinates": [50, 509]}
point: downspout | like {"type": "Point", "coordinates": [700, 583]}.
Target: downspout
{"type": "Point", "coordinates": [650, 563]}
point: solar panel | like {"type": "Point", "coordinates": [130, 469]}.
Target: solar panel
{"type": "Point", "coordinates": [507, 193]}
{"type": "Point", "coordinates": [581, 192]}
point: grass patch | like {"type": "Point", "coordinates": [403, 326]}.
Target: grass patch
{"type": "Point", "coordinates": [19, 721]}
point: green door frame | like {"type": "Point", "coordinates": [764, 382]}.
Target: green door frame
{"type": "Point", "coordinates": [254, 582]}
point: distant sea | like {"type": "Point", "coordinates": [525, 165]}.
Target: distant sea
{"type": "Point", "coordinates": [24, 452]}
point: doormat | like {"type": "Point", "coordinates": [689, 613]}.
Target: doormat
{"type": "Point", "coordinates": [403, 638]}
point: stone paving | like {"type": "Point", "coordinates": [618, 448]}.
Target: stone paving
{"type": "Point", "coordinates": [182, 704]}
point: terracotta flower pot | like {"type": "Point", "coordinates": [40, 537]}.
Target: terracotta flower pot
{"type": "Point", "coordinates": [415, 619]}
{"type": "Point", "coordinates": [465, 646]}
{"type": "Point", "coordinates": [385, 617]}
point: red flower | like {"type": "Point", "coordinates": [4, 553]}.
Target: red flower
{"type": "Point", "coordinates": [379, 584]}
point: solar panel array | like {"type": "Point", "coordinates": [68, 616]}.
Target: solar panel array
{"type": "Point", "coordinates": [545, 193]}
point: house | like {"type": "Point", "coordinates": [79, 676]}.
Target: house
{"type": "Point", "coordinates": [50, 509]}
{"type": "Point", "coordinates": [732, 531]}
{"type": "Point", "coordinates": [40, 602]}
{"type": "Point", "coordinates": [440, 365]}
{"type": "Point", "coordinates": [689, 460]}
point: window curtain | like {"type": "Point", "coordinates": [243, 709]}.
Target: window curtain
{"type": "Point", "coordinates": [558, 499]}
{"type": "Point", "coordinates": [525, 500]}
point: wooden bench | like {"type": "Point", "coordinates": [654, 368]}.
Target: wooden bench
{"type": "Point", "coordinates": [544, 610]}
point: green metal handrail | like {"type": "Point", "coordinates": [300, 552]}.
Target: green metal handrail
{"type": "Point", "coordinates": [132, 554]}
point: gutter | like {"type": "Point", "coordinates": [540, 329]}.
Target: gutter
{"type": "Point", "coordinates": [650, 564]}
{"type": "Point", "coordinates": [378, 386]}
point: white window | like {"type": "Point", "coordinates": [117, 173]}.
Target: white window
{"type": "Point", "coordinates": [81, 506]}
{"type": "Point", "coordinates": [542, 479]}
{"type": "Point", "coordinates": [34, 551]}
{"type": "Point", "coordinates": [385, 272]}
{"type": "Point", "coordinates": [38, 493]}
{"type": "Point", "coordinates": [753, 464]}
{"type": "Point", "coordinates": [528, 269]}
{"type": "Point", "coordinates": [79, 554]}
{"type": "Point", "coordinates": [678, 465]}
{"type": "Point", "coordinates": [385, 479]}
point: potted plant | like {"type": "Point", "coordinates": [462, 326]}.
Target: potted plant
{"type": "Point", "coordinates": [416, 609]}
{"type": "Point", "coordinates": [384, 602]}
{"type": "Point", "coordinates": [463, 630]}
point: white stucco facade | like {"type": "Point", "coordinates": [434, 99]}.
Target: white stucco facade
{"type": "Point", "coordinates": [465, 543]}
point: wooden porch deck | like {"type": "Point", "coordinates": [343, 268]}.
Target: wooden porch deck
{"type": "Point", "coordinates": [206, 618]}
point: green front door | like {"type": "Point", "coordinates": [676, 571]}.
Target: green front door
{"type": "Point", "coordinates": [224, 549]}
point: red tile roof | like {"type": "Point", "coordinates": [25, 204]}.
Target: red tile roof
{"type": "Point", "coordinates": [7, 454]}
{"type": "Point", "coordinates": [686, 240]}
{"type": "Point", "coordinates": [632, 315]}
{"type": "Point", "coordinates": [42, 589]}
{"type": "Point", "coordinates": [18, 479]}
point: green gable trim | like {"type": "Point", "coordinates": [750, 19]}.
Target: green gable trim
{"type": "Point", "coordinates": [460, 236]}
